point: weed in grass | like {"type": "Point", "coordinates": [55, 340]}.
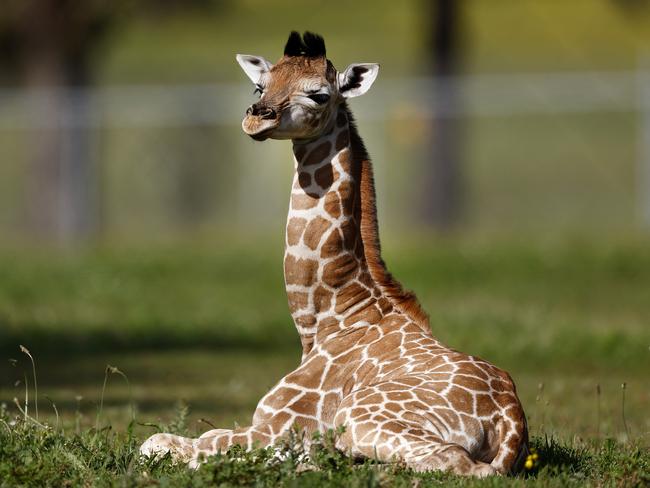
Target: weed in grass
{"type": "Point", "coordinates": [208, 423]}
{"type": "Point", "coordinates": [31, 358]}
{"type": "Point", "coordinates": [178, 425]}
{"type": "Point", "coordinates": [540, 411]}
{"type": "Point", "coordinates": [597, 411]}
{"type": "Point", "coordinates": [113, 370]}
{"type": "Point", "coordinates": [56, 412]}
{"type": "Point", "coordinates": [627, 431]}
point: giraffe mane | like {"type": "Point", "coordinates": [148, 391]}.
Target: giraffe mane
{"type": "Point", "coordinates": [405, 301]}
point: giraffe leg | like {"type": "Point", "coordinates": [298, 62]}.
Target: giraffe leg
{"type": "Point", "coordinates": [424, 452]}
{"type": "Point", "coordinates": [374, 431]}
{"type": "Point", "coordinates": [448, 457]}
{"type": "Point", "coordinates": [213, 432]}
{"type": "Point", "coordinates": [192, 451]}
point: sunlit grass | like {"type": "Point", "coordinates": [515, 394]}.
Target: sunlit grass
{"type": "Point", "coordinates": [206, 329]}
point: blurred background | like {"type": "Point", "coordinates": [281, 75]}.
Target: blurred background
{"type": "Point", "coordinates": [140, 227]}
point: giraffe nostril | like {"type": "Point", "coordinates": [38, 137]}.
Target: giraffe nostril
{"type": "Point", "coordinates": [261, 111]}
{"type": "Point", "coordinates": [267, 113]}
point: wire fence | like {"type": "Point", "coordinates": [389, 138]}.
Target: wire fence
{"type": "Point", "coordinates": [539, 151]}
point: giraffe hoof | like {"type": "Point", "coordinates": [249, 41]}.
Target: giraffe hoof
{"type": "Point", "coordinates": [156, 445]}
{"type": "Point", "coordinates": [483, 470]}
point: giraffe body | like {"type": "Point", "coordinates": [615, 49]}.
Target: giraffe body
{"type": "Point", "coordinates": [370, 362]}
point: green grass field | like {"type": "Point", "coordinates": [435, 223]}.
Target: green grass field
{"type": "Point", "coordinates": [201, 332]}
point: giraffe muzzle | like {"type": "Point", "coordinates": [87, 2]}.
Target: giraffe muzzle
{"type": "Point", "coordinates": [260, 121]}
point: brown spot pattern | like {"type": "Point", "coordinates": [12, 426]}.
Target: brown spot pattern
{"type": "Point", "coordinates": [304, 179]}
{"type": "Point", "coordinates": [318, 154]}
{"type": "Point", "coordinates": [332, 245]}
{"type": "Point", "coordinates": [297, 300]}
{"type": "Point", "coordinates": [303, 202]}
{"type": "Point", "coordinates": [349, 235]}
{"type": "Point", "coordinates": [332, 205]}
{"type": "Point", "coordinates": [314, 232]}
{"type": "Point", "coordinates": [324, 177]}
{"type": "Point", "coordinates": [345, 160]}
{"type": "Point", "coordinates": [299, 152]}
{"type": "Point", "coordinates": [346, 193]}
{"type": "Point", "coordinates": [306, 321]}
{"type": "Point", "coordinates": [342, 140]}
{"type": "Point", "coordinates": [349, 296]}
{"type": "Point", "coordinates": [370, 314]}
{"type": "Point", "coordinates": [295, 228]}
{"type": "Point", "coordinates": [322, 299]}
{"type": "Point", "coordinates": [340, 271]}
{"type": "Point", "coordinates": [298, 271]}
{"type": "Point", "coordinates": [306, 404]}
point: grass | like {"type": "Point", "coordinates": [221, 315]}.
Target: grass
{"type": "Point", "coordinates": [43, 456]}
{"type": "Point", "coordinates": [567, 319]}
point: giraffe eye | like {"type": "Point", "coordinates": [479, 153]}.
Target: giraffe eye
{"type": "Point", "coordinates": [320, 98]}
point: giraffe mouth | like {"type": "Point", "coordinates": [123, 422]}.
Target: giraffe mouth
{"type": "Point", "coordinates": [258, 128]}
{"type": "Point", "coordinates": [262, 136]}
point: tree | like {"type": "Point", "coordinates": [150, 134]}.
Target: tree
{"type": "Point", "coordinates": [442, 178]}
{"type": "Point", "coordinates": [51, 47]}
{"type": "Point", "coordinates": [50, 44]}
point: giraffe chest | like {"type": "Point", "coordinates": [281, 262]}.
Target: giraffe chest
{"type": "Point", "coordinates": [351, 359]}
{"type": "Point", "coordinates": [308, 397]}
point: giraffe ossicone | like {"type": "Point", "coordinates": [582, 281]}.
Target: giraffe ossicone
{"type": "Point", "coordinates": [370, 362]}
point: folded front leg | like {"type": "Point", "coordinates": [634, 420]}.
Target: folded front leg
{"type": "Point", "coordinates": [219, 440]}
{"type": "Point", "coordinates": [192, 451]}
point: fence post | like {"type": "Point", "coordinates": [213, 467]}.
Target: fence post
{"type": "Point", "coordinates": [643, 144]}
{"type": "Point", "coordinates": [77, 212]}
{"type": "Point", "coordinates": [441, 198]}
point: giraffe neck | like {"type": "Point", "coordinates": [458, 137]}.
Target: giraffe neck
{"type": "Point", "coordinates": [334, 274]}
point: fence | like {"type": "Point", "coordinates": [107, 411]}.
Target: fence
{"type": "Point", "coordinates": [539, 151]}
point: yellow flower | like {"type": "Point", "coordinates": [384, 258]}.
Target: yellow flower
{"type": "Point", "coordinates": [529, 463]}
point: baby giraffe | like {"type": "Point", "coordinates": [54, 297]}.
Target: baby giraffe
{"type": "Point", "coordinates": [369, 360]}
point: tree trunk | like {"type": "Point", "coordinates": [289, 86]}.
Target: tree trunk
{"type": "Point", "coordinates": [442, 177]}
{"type": "Point", "coordinates": [61, 191]}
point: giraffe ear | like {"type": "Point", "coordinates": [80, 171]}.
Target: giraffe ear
{"type": "Point", "coordinates": [253, 66]}
{"type": "Point", "coordinates": [357, 79]}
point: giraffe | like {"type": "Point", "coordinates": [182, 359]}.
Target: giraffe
{"type": "Point", "coordinates": [369, 360]}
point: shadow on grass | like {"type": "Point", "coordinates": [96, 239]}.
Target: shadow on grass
{"type": "Point", "coordinates": [604, 460]}
{"type": "Point", "coordinates": [60, 340]}
{"type": "Point", "coordinates": [557, 457]}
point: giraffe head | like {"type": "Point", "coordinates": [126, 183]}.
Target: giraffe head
{"type": "Point", "coordinates": [300, 93]}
